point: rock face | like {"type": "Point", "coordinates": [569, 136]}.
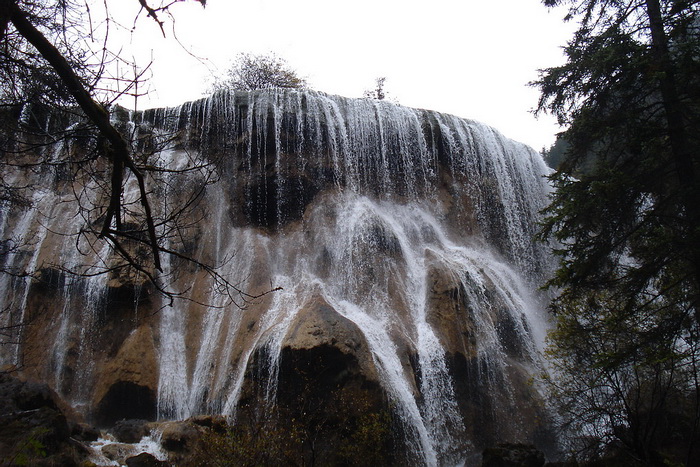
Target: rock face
{"type": "Point", "coordinates": [127, 383]}
{"type": "Point", "coordinates": [33, 429]}
{"type": "Point", "coordinates": [145, 460]}
{"type": "Point", "coordinates": [513, 455]}
{"type": "Point", "coordinates": [399, 246]}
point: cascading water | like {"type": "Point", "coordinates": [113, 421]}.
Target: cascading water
{"type": "Point", "coordinates": [415, 229]}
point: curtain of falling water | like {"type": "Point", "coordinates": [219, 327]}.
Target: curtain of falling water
{"type": "Point", "coordinates": [355, 201]}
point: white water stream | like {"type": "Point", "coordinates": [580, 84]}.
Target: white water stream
{"type": "Point", "coordinates": [394, 194]}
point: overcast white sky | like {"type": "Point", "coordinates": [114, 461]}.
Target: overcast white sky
{"type": "Point", "coordinates": [465, 57]}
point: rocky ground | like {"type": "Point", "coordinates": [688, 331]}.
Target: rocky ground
{"type": "Point", "coordinates": [38, 429]}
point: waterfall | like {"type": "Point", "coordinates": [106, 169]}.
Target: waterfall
{"type": "Point", "coordinates": [411, 230]}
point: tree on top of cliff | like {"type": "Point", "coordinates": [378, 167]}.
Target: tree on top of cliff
{"type": "Point", "coordinates": [626, 212]}
{"type": "Point", "coordinates": [250, 72]}
{"type": "Point", "coordinates": [378, 91]}
{"type": "Point", "coordinates": [57, 85]}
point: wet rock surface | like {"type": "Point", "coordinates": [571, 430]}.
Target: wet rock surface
{"type": "Point", "coordinates": [145, 460]}
{"type": "Point", "coordinates": [513, 455]}
{"type": "Point", "coordinates": [397, 244]}
{"type": "Point", "coordinates": [33, 429]}
{"type": "Point", "coordinates": [130, 431]}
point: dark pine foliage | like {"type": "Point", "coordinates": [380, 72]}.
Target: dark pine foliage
{"type": "Point", "coordinates": [625, 220]}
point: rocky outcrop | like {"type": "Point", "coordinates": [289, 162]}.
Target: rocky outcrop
{"type": "Point", "coordinates": [130, 431]}
{"type": "Point", "coordinates": [33, 429]}
{"type": "Point", "coordinates": [319, 325]}
{"type": "Point", "coordinates": [145, 460]}
{"type": "Point", "coordinates": [449, 313]}
{"type": "Point", "coordinates": [325, 408]}
{"type": "Point", "coordinates": [512, 455]}
{"type": "Point", "coordinates": [127, 384]}
{"type": "Point", "coordinates": [387, 309]}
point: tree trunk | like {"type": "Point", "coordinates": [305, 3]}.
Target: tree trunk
{"type": "Point", "coordinates": [671, 101]}
{"type": "Point", "coordinates": [5, 9]}
{"type": "Point", "coordinates": [678, 137]}
{"type": "Point", "coordinates": [118, 151]}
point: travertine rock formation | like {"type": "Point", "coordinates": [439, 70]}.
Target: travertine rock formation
{"type": "Point", "coordinates": [399, 242]}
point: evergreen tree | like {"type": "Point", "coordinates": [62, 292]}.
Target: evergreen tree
{"type": "Point", "coordinates": [555, 154]}
{"type": "Point", "coordinates": [625, 216]}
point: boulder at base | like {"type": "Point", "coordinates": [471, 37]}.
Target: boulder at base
{"type": "Point", "coordinates": [33, 429]}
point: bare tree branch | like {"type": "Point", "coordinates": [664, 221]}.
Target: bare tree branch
{"type": "Point", "coordinates": [118, 150]}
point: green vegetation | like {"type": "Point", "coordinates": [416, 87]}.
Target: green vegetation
{"type": "Point", "coordinates": [556, 154]}
{"type": "Point", "coordinates": [323, 414]}
{"type": "Point", "coordinates": [250, 445]}
{"type": "Point", "coordinates": [29, 449]}
{"type": "Point", "coordinates": [282, 439]}
{"type": "Point", "coordinates": [626, 225]}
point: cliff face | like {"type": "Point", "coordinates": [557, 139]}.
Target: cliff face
{"type": "Point", "coordinates": [401, 244]}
